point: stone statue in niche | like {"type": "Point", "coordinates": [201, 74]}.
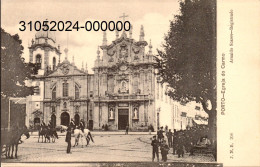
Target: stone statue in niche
{"type": "Point", "coordinates": [123, 87]}
{"type": "Point", "coordinates": [111, 113]}
{"type": "Point", "coordinates": [135, 113]}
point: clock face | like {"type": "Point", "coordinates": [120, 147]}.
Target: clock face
{"type": "Point", "coordinates": [123, 68]}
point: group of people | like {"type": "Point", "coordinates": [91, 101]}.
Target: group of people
{"type": "Point", "coordinates": [70, 129]}
{"type": "Point", "coordinates": [180, 141]}
{"type": "Point", "coordinates": [160, 141]}
{"type": "Point", "coordinates": [189, 139]}
{"type": "Point", "coordinates": [73, 125]}
{"type": "Point", "coordinates": [163, 147]}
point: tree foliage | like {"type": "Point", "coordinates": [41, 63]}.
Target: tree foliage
{"type": "Point", "coordinates": [188, 59]}
{"type": "Point", "coordinates": [14, 71]}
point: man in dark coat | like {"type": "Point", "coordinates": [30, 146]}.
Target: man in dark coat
{"type": "Point", "coordinates": [169, 136]}
{"type": "Point", "coordinates": [160, 134]}
{"type": "Point", "coordinates": [164, 150]}
{"type": "Point", "coordinates": [155, 145]}
{"type": "Point", "coordinates": [174, 141]}
{"type": "Point", "coordinates": [68, 140]}
{"type": "Point", "coordinates": [180, 144]}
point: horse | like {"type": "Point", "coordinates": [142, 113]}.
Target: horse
{"type": "Point", "coordinates": [53, 134]}
{"type": "Point", "coordinates": [11, 140]}
{"type": "Point", "coordinates": [44, 133]}
{"type": "Point", "coordinates": [79, 134]}
{"type": "Point", "coordinates": [62, 128]}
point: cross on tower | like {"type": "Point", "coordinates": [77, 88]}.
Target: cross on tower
{"type": "Point", "coordinates": [124, 16]}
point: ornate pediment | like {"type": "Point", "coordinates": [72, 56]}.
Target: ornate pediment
{"type": "Point", "coordinates": [65, 69]}
{"type": "Point", "coordinates": [37, 113]}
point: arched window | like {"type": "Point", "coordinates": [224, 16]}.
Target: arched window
{"type": "Point", "coordinates": [53, 63]}
{"type": "Point", "coordinates": [38, 61]}
{"type": "Point", "coordinates": [76, 92]}
{"type": "Point", "coordinates": [65, 89]}
{"type": "Point", "coordinates": [54, 93]}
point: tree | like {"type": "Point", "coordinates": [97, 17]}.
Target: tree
{"type": "Point", "coordinates": [187, 61]}
{"type": "Point", "coordinates": [14, 71]}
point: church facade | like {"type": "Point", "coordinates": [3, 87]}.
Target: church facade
{"type": "Point", "coordinates": [123, 90]}
{"type": "Point", "coordinates": [125, 84]}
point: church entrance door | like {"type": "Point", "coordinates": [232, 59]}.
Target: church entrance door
{"type": "Point", "coordinates": [123, 116]}
{"type": "Point", "coordinates": [65, 119]}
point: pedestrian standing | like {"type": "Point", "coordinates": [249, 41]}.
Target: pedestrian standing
{"type": "Point", "coordinates": [180, 144]}
{"type": "Point", "coordinates": [155, 145]}
{"type": "Point", "coordinates": [68, 140]}
{"type": "Point", "coordinates": [174, 142]}
{"type": "Point", "coordinates": [169, 136]}
{"type": "Point", "coordinates": [160, 134]}
{"type": "Point", "coordinates": [164, 150]}
{"type": "Point", "coordinates": [126, 129]}
{"type": "Point", "coordinates": [166, 129]}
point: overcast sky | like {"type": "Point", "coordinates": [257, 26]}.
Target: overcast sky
{"type": "Point", "coordinates": [154, 15]}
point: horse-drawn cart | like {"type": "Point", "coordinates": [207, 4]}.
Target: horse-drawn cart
{"type": "Point", "coordinates": [202, 149]}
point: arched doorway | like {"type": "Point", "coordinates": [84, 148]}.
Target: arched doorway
{"type": "Point", "coordinates": [36, 123]}
{"type": "Point", "coordinates": [53, 120]}
{"type": "Point", "coordinates": [65, 119]}
{"type": "Point", "coordinates": [76, 119]}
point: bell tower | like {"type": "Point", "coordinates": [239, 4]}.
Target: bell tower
{"type": "Point", "coordinates": [44, 51]}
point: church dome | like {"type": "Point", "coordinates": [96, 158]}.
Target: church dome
{"type": "Point", "coordinates": [45, 36]}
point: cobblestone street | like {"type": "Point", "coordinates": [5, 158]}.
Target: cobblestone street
{"type": "Point", "coordinates": [107, 147]}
